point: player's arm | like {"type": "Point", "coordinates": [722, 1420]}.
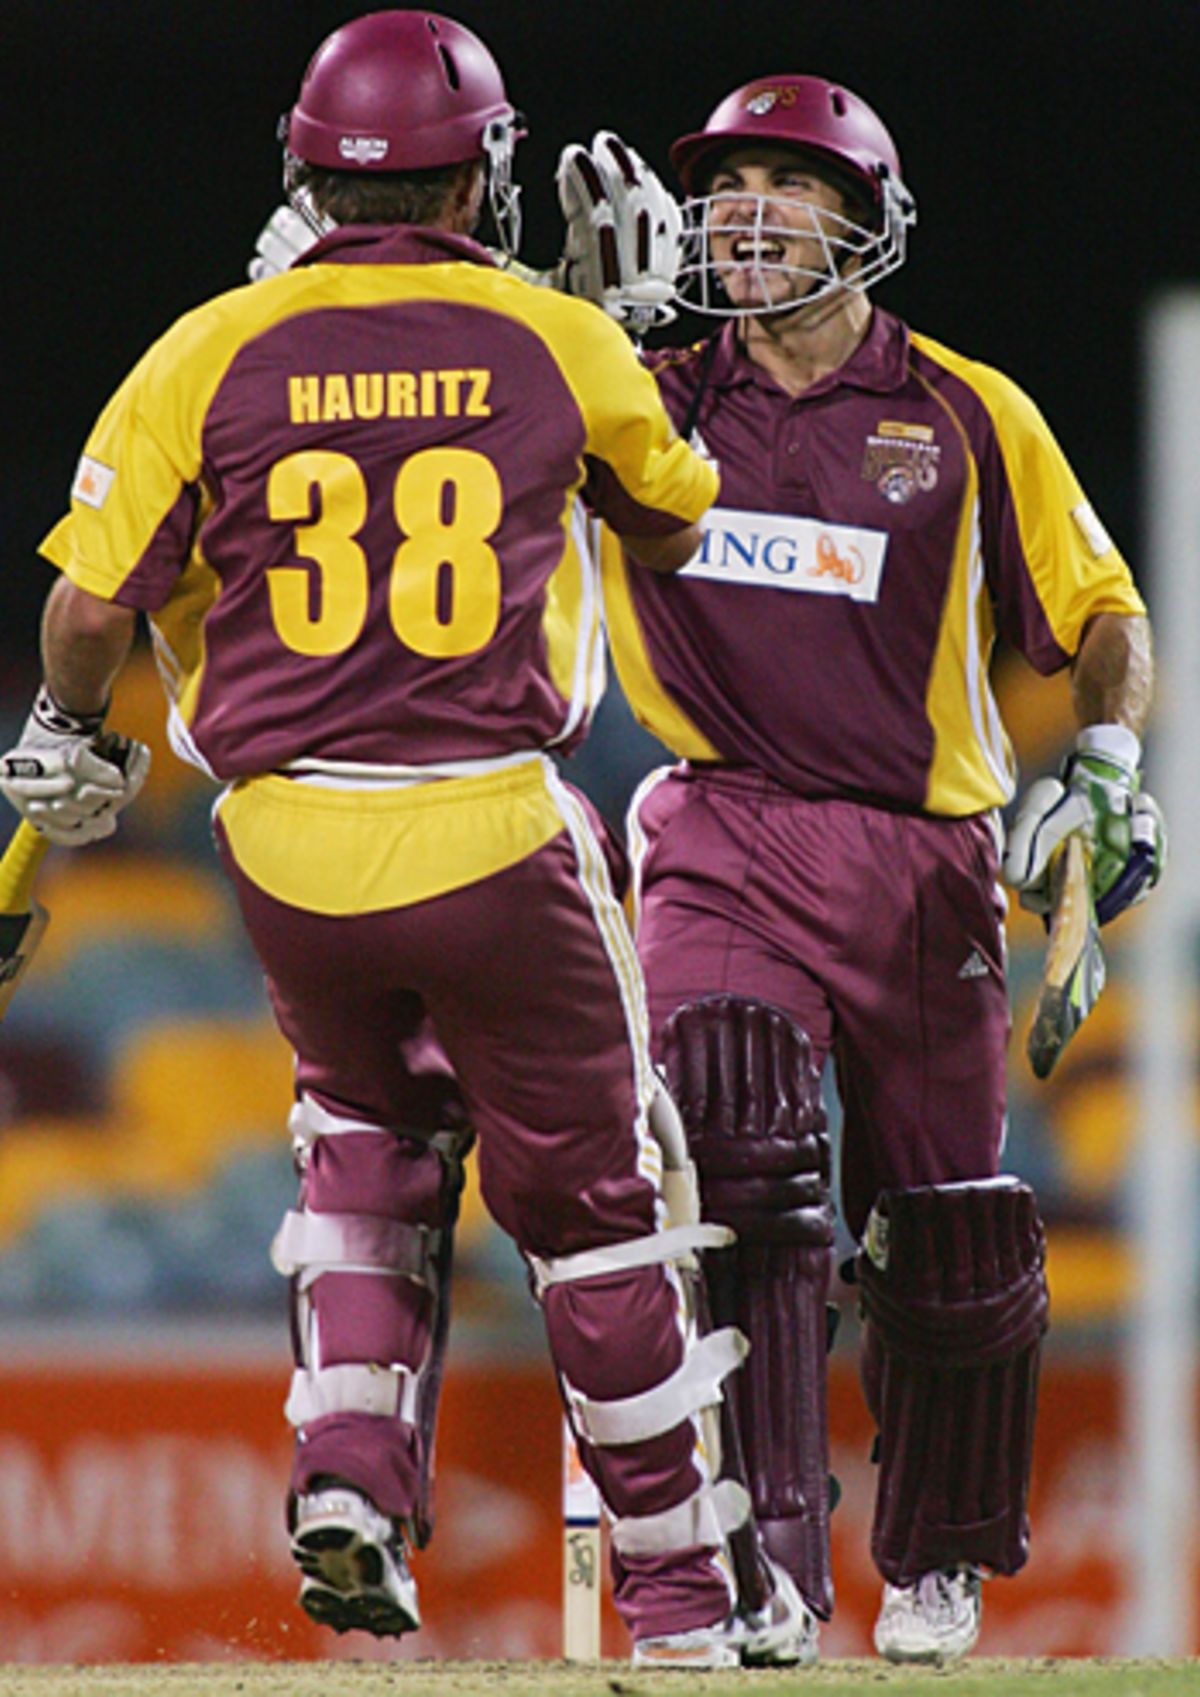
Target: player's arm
{"type": "Point", "coordinates": [622, 247]}
{"type": "Point", "coordinates": [85, 642]}
{"type": "Point", "coordinates": [1098, 795]}
{"type": "Point", "coordinates": [665, 554]}
{"type": "Point", "coordinates": [1064, 594]}
{"type": "Point", "coordinates": [1112, 679]}
{"type": "Point", "coordinates": [649, 486]}
{"type": "Point", "coordinates": [66, 776]}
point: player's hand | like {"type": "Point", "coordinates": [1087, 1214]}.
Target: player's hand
{"type": "Point", "coordinates": [281, 241]}
{"type": "Point", "coordinates": [623, 242]}
{"type": "Point", "coordinates": [1097, 796]}
{"type": "Point", "coordinates": [68, 777]}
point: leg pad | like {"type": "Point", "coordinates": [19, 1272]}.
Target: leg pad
{"type": "Point", "coordinates": [742, 1076]}
{"type": "Point", "coordinates": [955, 1305]}
{"type": "Point", "coordinates": [368, 1252]}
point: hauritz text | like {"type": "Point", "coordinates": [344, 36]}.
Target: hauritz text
{"type": "Point", "coordinates": [326, 397]}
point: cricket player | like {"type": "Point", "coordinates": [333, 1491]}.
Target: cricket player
{"type": "Point", "coordinates": [348, 500]}
{"type": "Point", "coordinates": [818, 877]}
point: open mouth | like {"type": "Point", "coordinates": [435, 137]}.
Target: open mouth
{"type": "Point", "coordinates": [757, 250]}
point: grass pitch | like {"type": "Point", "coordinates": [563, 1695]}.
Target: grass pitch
{"type": "Point", "coordinates": [982, 1677]}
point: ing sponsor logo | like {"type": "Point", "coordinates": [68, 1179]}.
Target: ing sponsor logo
{"type": "Point", "coordinates": [779, 551]}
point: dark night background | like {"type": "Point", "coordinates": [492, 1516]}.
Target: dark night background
{"type": "Point", "coordinates": [1051, 146]}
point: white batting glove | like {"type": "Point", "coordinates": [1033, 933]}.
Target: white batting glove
{"type": "Point", "coordinates": [624, 230]}
{"type": "Point", "coordinates": [69, 778]}
{"type": "Point", "coordinates": [281, 241]}
{"type": "Point", "coordinates": [1097, 797]}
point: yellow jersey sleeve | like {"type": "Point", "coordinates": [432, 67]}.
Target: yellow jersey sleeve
{"type": "Point", "coordinates": [1052, 564]}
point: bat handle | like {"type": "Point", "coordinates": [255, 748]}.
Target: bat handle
{"type": "Point", "coordinates": [18, 868]}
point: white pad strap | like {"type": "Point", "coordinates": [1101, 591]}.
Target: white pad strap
{"type": "Point", "coordinates": [705, 1518]}
{"type": "Point", "coordinates": [680, 1184]}
{"type": "Point", "coordinates": [387, 1391]}
{"type": "Point", "coordinates": [666, 1128]}
{"type": "Point", "coordinates": [671, 1245]}
{"type": "Point", "coordinates": [308, 1120]}
{"type": "Point", "coordinates": [681, 1197]}
{"type": "Point", "coordinates": [695, 1384]}
{"type": "Point", "coordinates": [312, 1244]}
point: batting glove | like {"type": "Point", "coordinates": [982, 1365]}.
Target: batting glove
{"type": "Point", "coordinates": [624, 231]}
{"type": "Point", "coordinates": [1096, 796]}
{"type": "Point", "coordinates": [281, 241]}
{"type": "Point", "coordinates": [68, 777]}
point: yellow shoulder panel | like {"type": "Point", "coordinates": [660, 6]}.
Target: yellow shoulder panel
{"type": "Point", "coordinates": [1075, 569]}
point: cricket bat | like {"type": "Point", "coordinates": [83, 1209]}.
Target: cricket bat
{"type": "Point", "coordinates": [581, 1557]}
{"type": "Point", "coordinates": [22, 921]}
{"type": "Point", "coordinates": [1073, 973]}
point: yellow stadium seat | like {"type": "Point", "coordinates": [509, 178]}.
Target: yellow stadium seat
{"type": "Point", "coordinates": [96, 895]}
{"type": "Point", "coordinates": [197, 1089]}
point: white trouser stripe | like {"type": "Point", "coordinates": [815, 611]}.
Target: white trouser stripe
{"type": "Point", "coordinates": [618, 944]}
{"type": "Point", "coordinates": [635, 835]}
{"type": "Point", "coordinates": [694, 1385]}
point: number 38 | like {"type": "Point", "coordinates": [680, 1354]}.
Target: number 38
{"type": "Point", "coordinates": [429, 485]}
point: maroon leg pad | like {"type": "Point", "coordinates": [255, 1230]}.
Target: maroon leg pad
{"type": "Point", "coordinates": [749, 1097]}
{"type": "Point", "coordinates": [955, 1306]}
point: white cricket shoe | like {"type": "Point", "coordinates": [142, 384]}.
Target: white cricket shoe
{"type": "Point", "coordinates": [935, 1620]}
{"type": "Point", "coordinates": [704, 1647]}
{"type": "Point", "coordinates": [783, 1633]}
{"type": "Point", "coordinates": [354, 1566]}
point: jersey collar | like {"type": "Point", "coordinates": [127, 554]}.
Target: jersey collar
{"type": "Point", "coordinates": [878, 364]}
{"type": "Point", "coordinates": [393, 244]}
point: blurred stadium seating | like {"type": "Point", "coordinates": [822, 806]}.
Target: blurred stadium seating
{"type": "Point", "coordinates": [143, 1088]}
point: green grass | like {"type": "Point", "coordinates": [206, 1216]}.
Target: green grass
{"type": "Point", "coordinates": [981, 1677]}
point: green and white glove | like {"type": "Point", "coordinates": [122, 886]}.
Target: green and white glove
{"type": "Point", "coordinates": [1097, 795]}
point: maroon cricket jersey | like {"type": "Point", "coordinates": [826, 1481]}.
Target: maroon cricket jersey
{"type": "Point", "coordinates": [872, 537]}
{"type": "Point", "coordinates": [348, 498]}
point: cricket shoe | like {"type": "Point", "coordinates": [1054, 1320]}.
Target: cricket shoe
{"type": "Point", "coordinates": [702, 1648]}
{"type": "Point", "coordinates": [354, 1566]}
{"type": "Point", "coordinates": [783, 1633]}
{"type": "Point", "coordinates": [935, 1620]}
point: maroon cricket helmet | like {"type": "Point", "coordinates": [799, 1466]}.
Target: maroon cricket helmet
{"type": "Point", "coordinates": [805, 112]}
{"type": "Point", "coordinates": [397, 91]}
